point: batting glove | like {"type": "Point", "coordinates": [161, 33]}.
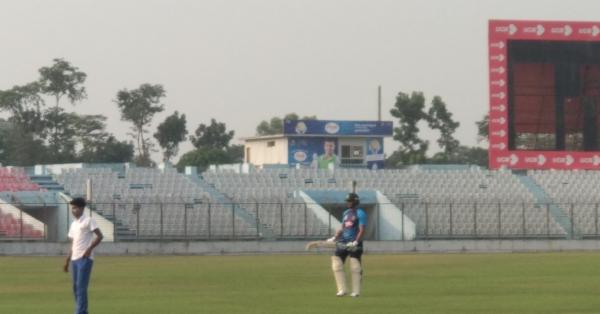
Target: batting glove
{"type": "Point", "coordinates": [353, 244]}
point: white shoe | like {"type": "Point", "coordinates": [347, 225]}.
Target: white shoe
{"type": "Point", "coordinates": [354, 295]}
{"type": "Point", "coordinates": [340, 293]}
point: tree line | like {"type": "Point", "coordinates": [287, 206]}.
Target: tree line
{"type": "Point", "coordinates": [39, 129]}
{"type": "Point", "coordinates": [410, 111]}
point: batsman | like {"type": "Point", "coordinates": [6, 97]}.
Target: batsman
{"type": "Point", "coordinates": [349, 243]}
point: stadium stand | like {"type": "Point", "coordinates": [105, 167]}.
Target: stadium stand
{"type": "Point", "coordinates": [576, 193]}
{"type": "Point", "coordinates": [14, 223]}
{"type": "Point", "coordinates": [444, 202]}
{"type": "Point", "coordinates": [15, 179]}
{"type": "Point", "coordinates": [153, 203]}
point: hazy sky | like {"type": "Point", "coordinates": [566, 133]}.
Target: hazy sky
{"type": "Point", "coordinates": [245, 61]}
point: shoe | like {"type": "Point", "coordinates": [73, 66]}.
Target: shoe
{"type": "Point", "coordinates": [340, 294]}
{"type": "Point", "coordinates": [354, 295]}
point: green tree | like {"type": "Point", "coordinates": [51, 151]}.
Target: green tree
{"type": "Point", "coordinates": [214, 136]}
{"type": "Point", "coordinates": [275, 125]}
{"type": "Point", "coordinates": [76, 132]}
{"type": "Point", "coordinates": [463, 155]}
{"type": "Point", "coordinates": [236, 153]}
{"type": "Point", "coordinates": [60, 80]}
{"type": "Point", "coordinates": [23, 132]}
{"type": "Point", "coordinates": [410, 111]}
{"type": "Point", "coordinates": [439, 118]}
{"type": "Point", "coordinates": [139, 106]}
{"type": "Point", "coordinates": [24, 105]}
{"type": "Point", "coordinates": [63, 142]}
{"type": "Point", "coordinates": [483, 129]}
{"type": "Point", "coordinates": [107, 149]}
{"type": "Point", "coordinates": [20, 147]}
{"type": "Point", "coordinates": [204, 157]}
{"type": "Point", "coordinates": [170, 133]}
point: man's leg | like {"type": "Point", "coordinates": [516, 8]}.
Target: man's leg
{"type": "Point", "coordinates": [337, 265]}
{"type": "Point", "coordinates": [83, 279]}
{"type": "Point", "coordinates": [75, 273]}
{"type": "Point", "coordinates": [356, 269]}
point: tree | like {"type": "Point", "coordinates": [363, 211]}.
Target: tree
{"type": "Point", "coordinates": [409, 111]}
{"type": "Point", "coordinates": [170, 133]}
{"type": "Point", "coordinates": [483, 129]}
{"type": "Point", "coordinates": [24, 104]}
{"type": "Point", "coordinates": [59, 80]}
{"type": "Point", "coordinates": [139, 106]}
{"type": "Point", "coordinates": [20, 147]}
{"type": "Point", "coordinates": [463, 155]}
{"type": "Point", "coordinates": [214, 136]}
{"type": "Point", "coordinates": [236, 153]}
{"type": "Point", "coordinates": [63, 141]}
{"type": "Point", "coordinates": [106, 150]}
{"type": "Point", "coordinates": [439, 118]}
{"type": "Point", "coordinates": [275, 125]}
{"type": "Point", "coordinates": [204, 157]}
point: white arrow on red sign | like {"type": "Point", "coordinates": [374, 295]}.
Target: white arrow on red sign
{"type": "Point", "coordinates": [539, 160]}
{"type": "Point", "coordinates": [512, 159]}
{"type": "Point", "coordinates": [500, 120]}
{"type": "Point", "coordinates": [499, 57]}
{"type": "Point", "coordinates": [498, 45]}
{"type": "Point", "coordinates": [511, 29]}
{"type": "Point", "coordinates": [566, 30]}
{"type": "Point", "coordinates": [500, 83]}
{"type": "Point", "coordinates": [500, 133]}
{"type": "Point", "coordinates": [500, 146]}
{"type": "Point", "coordinates": [594, 31]}
{"type": "Point", "coordinates": [567, 160]}
{"type": "Point", "coordinates": [538, 30]}
{"type": "Point", "coordinates": [499, 70]}
{"type": "Point", "coordinates": [595, 160]}
{"type": "Point", "coordinates": [500, 108]}
{"type": "Point", "coordinates": [500, 95]}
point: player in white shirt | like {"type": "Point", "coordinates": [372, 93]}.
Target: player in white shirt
{"type": "Point", "coordinates": [81, 256]}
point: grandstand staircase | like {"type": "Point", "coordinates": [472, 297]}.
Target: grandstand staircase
{"type": "Point", "coordinates": [241, 212]}
{"type": "Point", "coordinates": [47, 182]}
{"type": "Point", "coordinates": [559, 215]}
{"type": "Point", "coordinates": [121, 231]}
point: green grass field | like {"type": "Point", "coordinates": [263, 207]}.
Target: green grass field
{"type": "Point", "coordinates": [424, 283]}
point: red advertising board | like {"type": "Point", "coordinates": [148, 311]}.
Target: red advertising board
{"type": "Point", "coordinates": [501, 32]}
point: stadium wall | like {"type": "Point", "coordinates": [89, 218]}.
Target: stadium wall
{"type": "Point", "coordinates": [297, 247]}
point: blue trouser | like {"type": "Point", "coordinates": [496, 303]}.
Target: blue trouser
{"type": "Point", "coordinates": [81, 269]}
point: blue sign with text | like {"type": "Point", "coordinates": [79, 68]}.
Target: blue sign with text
{"type": "Point", "coordinates": [337, 128]}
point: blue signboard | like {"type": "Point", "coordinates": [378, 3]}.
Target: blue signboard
{"type": "Point", "coordinates": [316, 152]}
{"type": "Point", "coordinates": [337, 128]}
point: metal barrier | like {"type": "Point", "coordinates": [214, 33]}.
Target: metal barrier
{"type": "Point", "coordinates": [256, 221]}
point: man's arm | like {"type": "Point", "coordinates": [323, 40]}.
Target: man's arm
{"type": "Point", "coordinates": [67, 261]}
{"type": "Point", "coordinates": [335, 236]}
{"type": "Point", "coordinates": [361, 231]}
{"type": "Point", "coordinates": [95, 243]}
{"type": "Point", "coordinates": [362, 222]}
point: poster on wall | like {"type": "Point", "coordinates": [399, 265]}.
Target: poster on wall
{"type": "Point", "coordinates": [375, 157]}
{"type": "Point", "coordinates": [315, 152]}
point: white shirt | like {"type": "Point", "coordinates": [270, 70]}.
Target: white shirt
{"type": "Point", "coordinates": [82, 233]}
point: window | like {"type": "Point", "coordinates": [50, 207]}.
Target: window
{"type": "Point", "coordinates": [352, 154]}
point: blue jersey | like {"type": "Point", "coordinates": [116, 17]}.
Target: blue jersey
{"type": "Point", "coordinates": [350, 222]}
